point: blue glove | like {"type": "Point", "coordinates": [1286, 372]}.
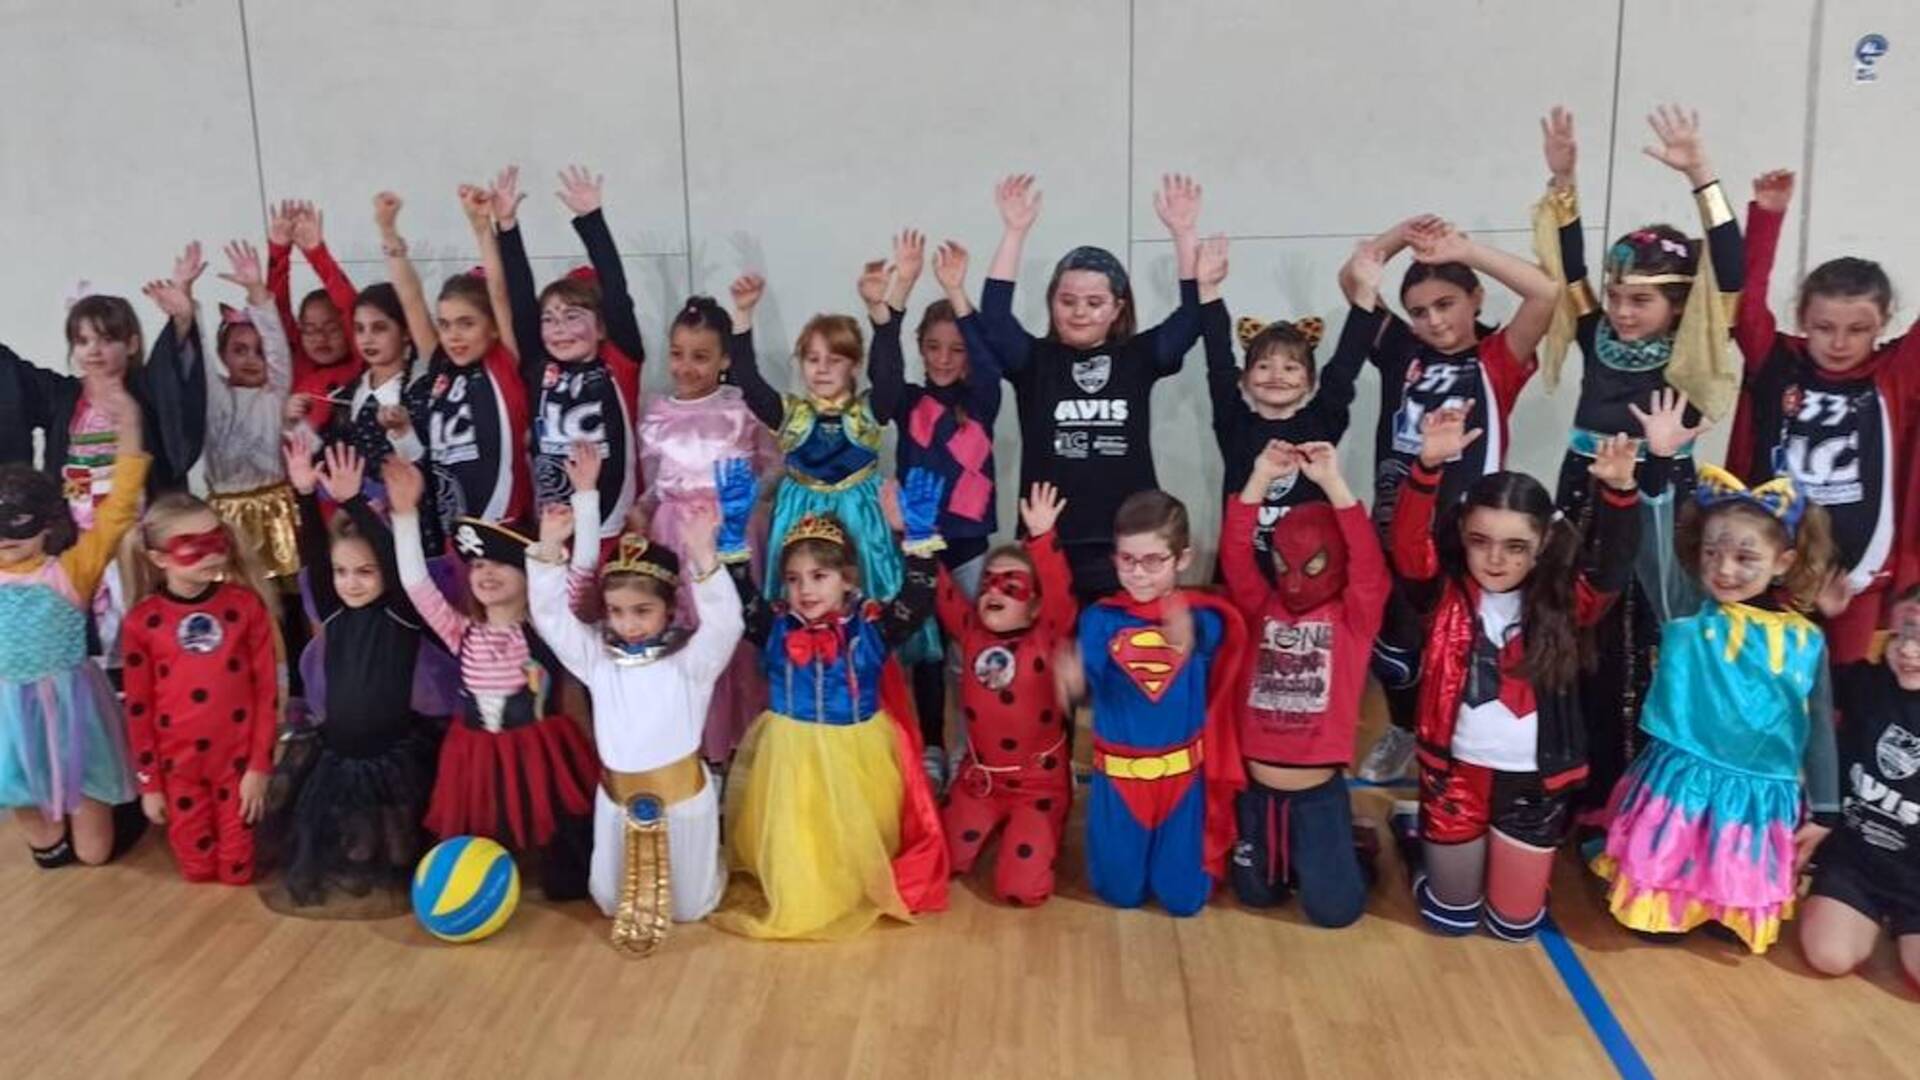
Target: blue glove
{"type": "Point", "coordinates": [920, 505]}
{"type": "Point", "coordinates": [734, 482]}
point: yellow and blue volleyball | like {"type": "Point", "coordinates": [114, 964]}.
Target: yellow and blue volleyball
{"type": "Point", "coordinates": [465, 889]}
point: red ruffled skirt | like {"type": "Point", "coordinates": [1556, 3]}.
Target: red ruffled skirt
{"type": "Point", "coordinates": [515, 785]}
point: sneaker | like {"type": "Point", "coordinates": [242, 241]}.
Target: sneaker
{"type": "Point", "coordinates": [934, 760]}
{"type": "Point", "coordinates": [1390, 758]}
{"type": "Point", "coordinates": [1404, 825]}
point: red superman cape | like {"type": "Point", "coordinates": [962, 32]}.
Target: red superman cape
{"type": "Point", "coordinates": [1221, 767]}
{"type": "Point", "coordinates": [920, 870]}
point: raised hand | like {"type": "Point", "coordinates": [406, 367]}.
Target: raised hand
{"type": "Point", "coordinates": [1558, 143]}
{"type": "Point", "coordinates": [920, 499]}
{"type": "Point", "coordinates": [1614, 460]}
{"type": "Point", "coordinates": [1444, 436]}
{"type": "Point", "coordinates": [386, 211]}
{"type": "Point", "coordinates": [111, 397]}
{"type": "Point", "coordinates": [1360, 276]}
{"type": "Point", "coordinates": [746, 290]}
{"type": "Point", "coordinates": [872, 283]}
{"type": "Point", "coordinates": [556, 525]}
{"type": "Point", "coordinates": [583, 465]}
{"type": "Point", "coordinates": [1178, 204]}
{"type": "Point", "coordinates": [297, 449]}
{"type": "Point", "coordinates": [309, 226]}
{"type": "Point", "coordinates": [244, 259]}
{"type": "Point", "coordinates": [477, 203]}
{"type": "Point", "coordinates": [1176, 622]}
{"type": "Point", "coordinates": [698, 535]}
{"type": "Point", "coordinates": [1773, 190]}
{"type": "Point", "coordinates": [950, 266]}
{"type": "Point", "coordinates": [1212, 268]}
{"type": "Point", "coordinates": [1435, 240]}
{"type": "Point", "coordinates": [344, 473]}
{"type": "Point", "coordinates": [506, 197]}
{"type": "Point", "coordinates": [1040, 508]}
{"type": "Point", "coordinates": [296, 409]}
{"type": "Point", "coordinates": [890, 506]}
{"type": "Point", "coordinates": [405, 485]}
{"type": "Point", "coordinates": [188, 266]}
{"type": "Point", "coordinates": [280, 224]}
{"type": "Point", "coordinates": [737, 491]}
{"type": "Point", "coordinates": [1019, 202]}
{"type": "Point", "coordinates": [580, 189]}
{"type": "Point", "coordinates": [1276, 459]}
{"type": "Point", "coordinates": [1682, 148]}
{"type": "Point", "coordinates": [1665, 423]}
{"type": "Point", "coordinates": [170, 298]}
{"type": "Point", "coordinates": [1319, 462]}
{"type": "Point", "coordinates": [909, 255]}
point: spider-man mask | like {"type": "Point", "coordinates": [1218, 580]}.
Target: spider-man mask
{"type": "Point", "coordinates": [1309, 557]}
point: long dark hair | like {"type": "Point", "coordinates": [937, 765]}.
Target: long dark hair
{"type": "Point", "coordinates": [1554, 649]}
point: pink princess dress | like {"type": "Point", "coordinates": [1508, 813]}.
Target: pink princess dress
{"type": "Point", "coordinates": [680, 441]}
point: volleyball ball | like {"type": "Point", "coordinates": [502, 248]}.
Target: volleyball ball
{"type": "Point", "coordinates": [465, 889]}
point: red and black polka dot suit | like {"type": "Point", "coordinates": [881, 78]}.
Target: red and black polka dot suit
{"type": "Point", "coordinates": [1016, 770]}
{"type": "Point", "coordinates": [202, 689]}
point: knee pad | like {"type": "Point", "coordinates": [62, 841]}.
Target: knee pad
{"type": "Point", "coordinates": [1514, 930]}
{"type": "Point", "coordinates": [1441, 917]}
{"type": "Point", "coordinates": [1396, 666]}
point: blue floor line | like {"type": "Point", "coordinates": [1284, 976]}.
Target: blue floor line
{"type": "Point", "coordinates": [1606, 1027]}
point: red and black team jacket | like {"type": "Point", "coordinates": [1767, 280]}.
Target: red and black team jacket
{"type": "Point", "coordinates": [1452, 601]}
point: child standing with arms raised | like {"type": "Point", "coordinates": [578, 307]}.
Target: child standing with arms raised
{"type": "Point", "coordinates": [1085, 390]}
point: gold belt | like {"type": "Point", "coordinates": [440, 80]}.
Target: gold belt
{"type": "Point", "coordinates": [813, 483]}
{"type": "Point", "coordinates": [646, 889]}
{"type": "Point", "coordinates": [1152, 767]}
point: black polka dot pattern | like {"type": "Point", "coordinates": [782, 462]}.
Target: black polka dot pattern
{"type": "Point", "coordinates": [183, 803]}
{"type": "Point", "coordinates": [135, 660]}
{"type": "Point", "coordinates": [1049, 762]}
{"type": "Point", "coordinates": [199, 696]}
{"type": "Point", "coordinates": [153, 621]}
{"type": "Point", "coordinates": [1043, 805]}
{"type": "Point", "coordinates": [1024, 851]}
{"type": "Point", "coordinates": [136, 709]}
{"type": "Point", "coordinates": [203, 745]}
{"type": "Point", "coordinates": [166, 720]}
{"type": "Point", "coordinates": [1009, 744]}
{"type": "Point", "coordinates": [1039, 665]}
{"type": "Point", "coordinates": [205, 843]}
{"type": "Point", "coordinates": [970, 835]}
{"type": "Point", "coordinates": [233, 665]}
{"type": "Point", "coordinates": [231, 615]}
{"type": "Point", "coordinates": [1006, 697]}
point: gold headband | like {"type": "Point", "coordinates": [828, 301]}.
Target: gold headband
{"type": "Point", "coordinates": [631, 558]}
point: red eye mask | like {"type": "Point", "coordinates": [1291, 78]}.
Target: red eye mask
{"type": "Point", "coordinates": [189, 548]}
{"type": "Point", "coordinates": [1015, 585]}
{"type": "Point", "coordinates": [1309, 557]}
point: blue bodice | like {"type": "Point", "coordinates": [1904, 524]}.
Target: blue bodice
{"type": "Point", "coordinates": [1735, 684]}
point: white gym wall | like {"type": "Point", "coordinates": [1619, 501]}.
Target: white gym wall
{"type": "Point", "coordinates": [793, 137]}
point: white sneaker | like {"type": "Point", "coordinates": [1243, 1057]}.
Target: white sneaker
{"type": "Point", "coordinates": [1390, 758]}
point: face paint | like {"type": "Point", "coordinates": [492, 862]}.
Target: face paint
{"type": "Point", "coordinates": [1309, 557]}
{"type": "Point", "coordinates": [1015, 585]}
{"type": "Point", "coordinates": [189, 548]}
{"type": "Point", "coordinates": [1736, 561]}
{"type": "Point", "coordinates": [1903, 647]}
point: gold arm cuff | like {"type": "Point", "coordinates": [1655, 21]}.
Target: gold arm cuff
{"type": "Point", "coordinates": [930, 546]}
{"type": "Point", "coordinates": [1714, 208]}
{"type": "Point", "coordinates": [1565, 204]}
{"type": "Point", "coordinates": [1580, 296]}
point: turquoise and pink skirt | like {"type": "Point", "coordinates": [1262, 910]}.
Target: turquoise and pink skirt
{"type": "Point", "coordinates": [1692, 841]}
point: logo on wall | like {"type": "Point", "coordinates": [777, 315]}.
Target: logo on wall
{"type": "Point", "coordinates": [1091, 374]}
{"type": "Point", "coordinates": [1867, 53]}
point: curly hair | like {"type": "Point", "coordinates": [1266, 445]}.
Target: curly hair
{"type": "Point", "coordinates": [1812, 546]}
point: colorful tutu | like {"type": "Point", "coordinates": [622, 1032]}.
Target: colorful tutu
{"type": "Point", "coordinates": [813, 824]}
{"type": "Point", "coordinates": [882, 570]}
{"type": "Point", "coordinates": [515, 785]}
{"type": "Point", "coordinates": [61, 740]}
{"type": "Point", "coordinates": [342, 834]}
{"type": "Point", "coordinates": [1692, 842]}
{"type": "Point", "coordinates": [741, 691]}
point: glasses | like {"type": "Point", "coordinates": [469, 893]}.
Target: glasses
{"type": "Point", "coordinates": [1152, 564]}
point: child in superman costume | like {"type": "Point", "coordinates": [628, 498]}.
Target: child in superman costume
{"type": "Point", "coordinates": [1159, 663]}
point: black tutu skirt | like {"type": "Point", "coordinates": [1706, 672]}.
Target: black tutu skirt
{"type": "Point", "coordinates": [342, 835]}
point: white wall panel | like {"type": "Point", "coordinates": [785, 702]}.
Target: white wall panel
{"type": "Point", "coordinates": [1865, 157]}
{"type": "Point", "coordinates": [1319, 119]}
{"type": "Point", "coordinates": [125, 134]}
{"type": "Point", "coordinates": [359, 95]}
{"type": "Point", "coordinates": [816, 128]}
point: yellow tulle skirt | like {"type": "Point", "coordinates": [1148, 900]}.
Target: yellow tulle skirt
{"type": "Point", "coordinates": [268, 520]}
{"type": "Point", "coordinates": [813, 824]}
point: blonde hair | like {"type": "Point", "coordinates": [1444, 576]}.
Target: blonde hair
{"type": "Point", "coordinates": [161, 520]}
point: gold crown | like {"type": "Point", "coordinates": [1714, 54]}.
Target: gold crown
{"type": "Point", "coordinates": [632, 558]}
{"type": "Point", "coordinates": [815, 527]}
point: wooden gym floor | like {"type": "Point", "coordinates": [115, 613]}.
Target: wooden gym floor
{"type": "Point", "coordinates": [127, 971]}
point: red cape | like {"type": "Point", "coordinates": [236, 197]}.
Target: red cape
{"type": "Point", "coordinates": [921, 870]}
{"type": "Point", "coordinates": [1223, 771]}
